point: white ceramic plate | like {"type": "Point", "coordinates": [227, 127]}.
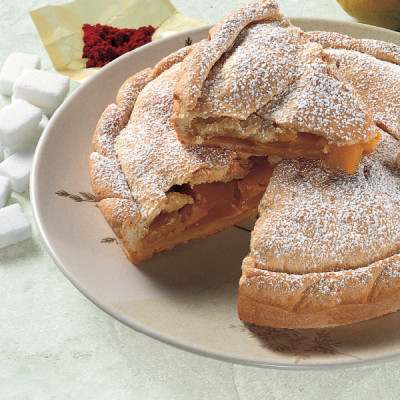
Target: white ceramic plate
{"type": "Point", "coordinates": [185, 297]}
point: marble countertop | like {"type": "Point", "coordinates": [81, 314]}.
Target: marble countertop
{"type": "Point", "coordinates": [56, 344]}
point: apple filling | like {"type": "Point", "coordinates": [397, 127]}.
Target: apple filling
{"type": "Point", "coordinates": [302, 144]}
{"type": "Point", "coordinates": [213, 207]}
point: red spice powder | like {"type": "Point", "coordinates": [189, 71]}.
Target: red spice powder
{"type": "Point", "coordinates": [103, 43]}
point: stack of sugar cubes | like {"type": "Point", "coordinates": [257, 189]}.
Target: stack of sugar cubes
{"type": "Point", "coordinates": [29, 98]}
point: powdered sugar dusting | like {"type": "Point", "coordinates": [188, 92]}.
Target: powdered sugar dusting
{"type": "Point", "coordinates": [106, 174]}
{"type": "Point", "coordinates": [224, 33]}
{"type": "Point", "coordinates": [329, 289]}
{"type": "Point", "coordinates": [377, 48]}
{"type": "Point", "coordinates": [324, 105]}
{"type": "Point", "coordinates": [108, 171]}
{"type": "Point", "coordinates": [391, 274]}
{"type": "Point", "coordinates": [270, 60]}
{"type": "Point", "coordinates": [336, 284]}
{"type": "Point", "coordinates": [377, 81]}
{"type": "Point", "coordinates": [198, 64]}
{"type": "Point", "coordinates": [136, 162]}
{"type": "Point", "coordinates": [252, 72]}
{"type": "Point", "coordinates": [315, 220]}
{"type": "Point", "coordinates": [289, 283]}
{"type": "Point", "coordinates": [152, 158]}
{"type": "Point", "coordinates": [107, 130]}
{"type": "Point", "coordinates": [130, 90]}
{"type": "Point", "coordinates": [372, 67]}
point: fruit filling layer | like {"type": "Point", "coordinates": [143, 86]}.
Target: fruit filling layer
{"type": "Point", "coordinates": [305, 145]}
{"type": "Point", "coordinates": [216, 206]}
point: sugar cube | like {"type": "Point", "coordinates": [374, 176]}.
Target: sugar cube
{"type": "Point", "coordinates": [41, 88]}
{"type": "Point", "coordinates": [5, 190]}
{"type": "Point", "coordinates": [34, 136]}
{"type": "Point", "coordinates": [46, 111]}
{"type": "Point", "coordinates": [14, 225]}
{"type": "Point", "coordinates": [13, 67]}
{"type": "Point", "coordinates": [16, 121]}
{"type": "Point", "coordinates": [17, 167]}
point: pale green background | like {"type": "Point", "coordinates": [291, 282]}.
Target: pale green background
{"type": "Point", "coordinates": [55, 344]}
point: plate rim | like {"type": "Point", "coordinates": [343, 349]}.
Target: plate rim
{"type": "Point", "coordinates": [138, 326]}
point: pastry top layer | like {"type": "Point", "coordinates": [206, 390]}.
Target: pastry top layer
{"type": "Point", "coordinates": [137, 157]}
{"type": "Point", "coordinates": [151, 157]}
{"type": "Point", "coordinates": [221, 37]}
{"type": "Point", "coordinates": [271, 72]}
{"type": "Point", "coordinates": [379, 49]}
{"type": "Point", "coordinates": [316, 220]}
{"type": "Point", "coordinates": [372, 67]}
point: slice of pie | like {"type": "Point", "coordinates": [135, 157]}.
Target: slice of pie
{"type": "Point", "coordinates": [259, 85]}
{"type": "Point", "coordinates": [326, 248]}
{"type": "Point", "coordinates": [156, 192]}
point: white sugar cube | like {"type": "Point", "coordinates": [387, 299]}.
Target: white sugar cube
{"type": "Point", "coordinates": [33, 137]}
{"type": "Point", "coordinates": [12, 69]}
{"type": "Point", "coordinates": [47, 112]}
{"type": "Point", "coordinates": [41, 88]}
{"type": "Point", "coordinates": [14, 225]}
{"type": "Point", "coordinates": [16, 121]}
{"type": "Point", "coordinates": [17, 167]}
{"type": "Point", "coordinates": [5, 190]}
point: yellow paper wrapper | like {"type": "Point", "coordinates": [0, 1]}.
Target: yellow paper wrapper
{"type": "Point", "coordinates": [60, 27]}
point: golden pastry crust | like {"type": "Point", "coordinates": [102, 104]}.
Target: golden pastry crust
{"type": "Point", "coordinates": [261, 81]}
{"type": "Point", "coordinates": [372, 67]}
{"type": "Point", "coordinates": [318, 300]}
{"type": "Point", "coordinates": [137, 159]}
{"type": "Point", "coordinates": [313, 220]}
{"type": "Point", "coordinates": [325, 250]}
{"type": "Point", "coordinates": [379, 49]}
{"type": "Point", "coordinates": [153, 160]}
{"type": "Point", "coordinates": [221, 37]}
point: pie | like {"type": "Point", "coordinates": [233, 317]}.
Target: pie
{"type": "Point", "coordinates": [165, 169]}
{"type": "Point", "coordinates": [325, 250]}
{"type": "Point", "coordinates": [156, 192]}
{"type": "Point", "coordinates": [260, 85]}
{"type": "Point", "coordinates": [332, 255]}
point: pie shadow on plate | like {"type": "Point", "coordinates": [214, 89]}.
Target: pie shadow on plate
{"type": "Point", "coordinates": [185, 297]}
